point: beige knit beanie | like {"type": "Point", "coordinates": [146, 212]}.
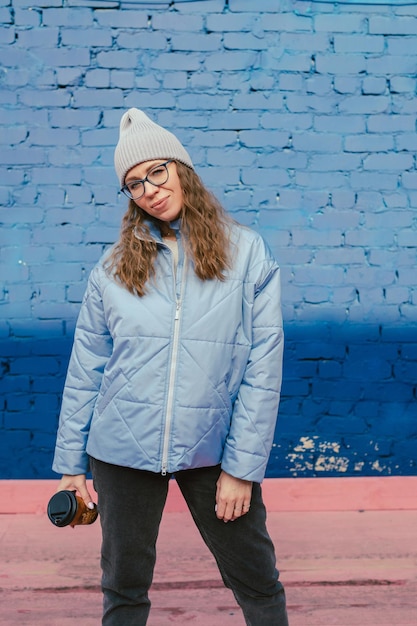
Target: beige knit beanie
{"type": "Point", "coordinates": [140, 140]}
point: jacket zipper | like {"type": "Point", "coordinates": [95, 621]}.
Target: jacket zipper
{"type": "Point", "coordinates": [172, 374]}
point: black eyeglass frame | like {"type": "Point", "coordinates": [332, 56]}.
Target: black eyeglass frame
{"type": "Point", "coordinates": [125, 188]}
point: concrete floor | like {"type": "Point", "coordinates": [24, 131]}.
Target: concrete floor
{"type": "Point", "coordinates": [339, 568]}
{"type": "Point", "coordinates": [346, 547]}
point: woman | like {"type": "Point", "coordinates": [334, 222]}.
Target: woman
{"type": "Point", "coordinates": [175, 371]}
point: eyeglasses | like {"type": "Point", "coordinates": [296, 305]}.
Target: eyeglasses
{"type": "Point", "coordinates": [157, 176]}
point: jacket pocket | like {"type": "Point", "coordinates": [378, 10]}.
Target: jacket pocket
{"type": "Point", "coordinates": [113, 388]}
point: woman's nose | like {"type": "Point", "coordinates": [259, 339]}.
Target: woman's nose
{"type": "Point", "coordinates": [149, 188]}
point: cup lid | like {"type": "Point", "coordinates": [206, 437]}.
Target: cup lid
{"type": "Point", "coordinates": [62, 508]}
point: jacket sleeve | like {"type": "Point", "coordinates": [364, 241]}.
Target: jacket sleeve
{"type": "Point", "coordinates": [255, 411]}
{"type": "Point", "coordinates": [91, 350]}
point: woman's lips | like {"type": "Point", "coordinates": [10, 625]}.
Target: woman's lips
{"type": "Point", "coordinates": [160, 205]}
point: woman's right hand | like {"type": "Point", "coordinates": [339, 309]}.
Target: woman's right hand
{"type": "Point", "coordinates": [77, 483]}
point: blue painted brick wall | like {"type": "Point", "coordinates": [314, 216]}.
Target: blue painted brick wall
{"type": "Point", "coordinates": [302, 118]}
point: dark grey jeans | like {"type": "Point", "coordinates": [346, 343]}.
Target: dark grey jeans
{"type": "Point", "coordinates": [131, 503]}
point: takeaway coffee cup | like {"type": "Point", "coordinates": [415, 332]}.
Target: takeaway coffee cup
{"type": "Point", "coordinates": [67, 509]}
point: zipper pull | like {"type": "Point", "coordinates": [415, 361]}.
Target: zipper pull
{"type": "Point", "coordinates": [177, 312]}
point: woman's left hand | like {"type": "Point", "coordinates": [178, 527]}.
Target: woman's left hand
{"type": "Point", "coordinates": [233, 497]}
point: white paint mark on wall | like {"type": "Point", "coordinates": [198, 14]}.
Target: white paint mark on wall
{"type": "Point", "coordinates": [331, 464]}
{"type": "Point", "coordinates": [321, 456]}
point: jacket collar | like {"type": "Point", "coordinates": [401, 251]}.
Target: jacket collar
{"type": "Point", "coordinates": [155, 232]}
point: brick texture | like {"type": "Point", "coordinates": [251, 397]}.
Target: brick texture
{"type": "Point", "coordinates": [302, 120]}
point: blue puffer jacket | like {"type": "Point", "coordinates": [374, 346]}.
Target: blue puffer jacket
{"type": "Point", "coordinates": [187, 376]}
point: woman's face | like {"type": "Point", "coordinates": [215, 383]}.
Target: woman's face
{"type": "Point", "coordinates": [164, 202]}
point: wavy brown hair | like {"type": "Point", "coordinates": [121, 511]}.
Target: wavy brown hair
{"type": "Point", "coordinates": [203, 222]}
